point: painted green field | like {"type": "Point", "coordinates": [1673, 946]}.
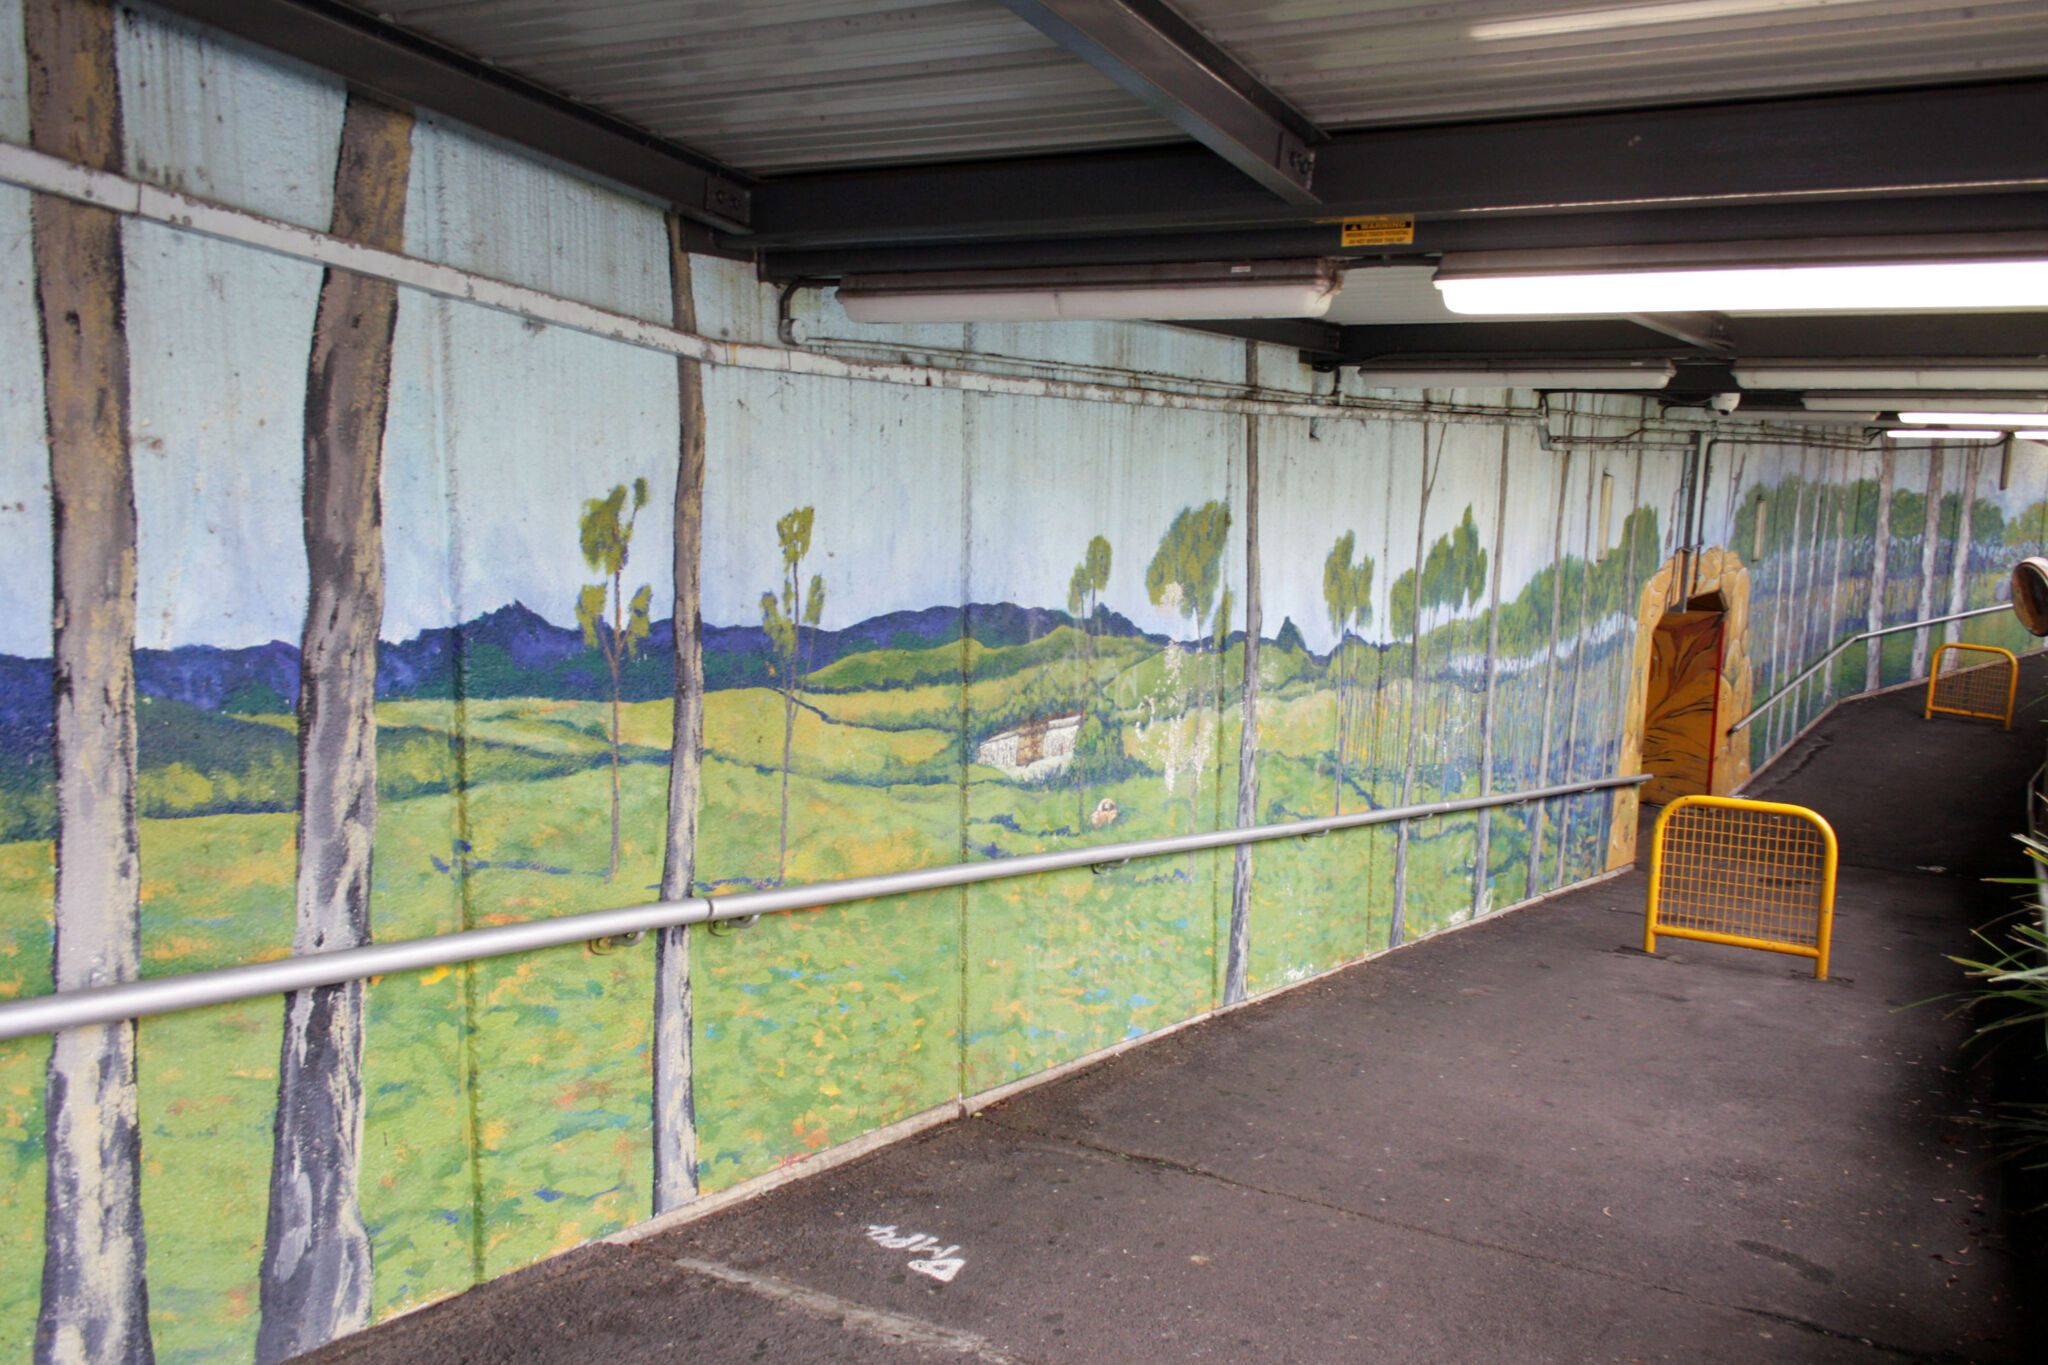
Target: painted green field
{"type": "Point", "coordinates": [508, 1099]}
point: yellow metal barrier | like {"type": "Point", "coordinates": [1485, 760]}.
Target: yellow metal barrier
{"type": "Point", "coordinates": [1756, 874]}
{"type": "Point", "coordinates": [1985, 688]}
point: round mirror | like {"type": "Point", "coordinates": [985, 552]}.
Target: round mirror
{"type": "Point", "coordinates": [2030, 593]}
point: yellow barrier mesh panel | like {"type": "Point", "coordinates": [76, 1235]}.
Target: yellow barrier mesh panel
{"type": "Point", "coordinates": [1749, 874]}
{"type": "Point", "coordinates": [1972, 680]}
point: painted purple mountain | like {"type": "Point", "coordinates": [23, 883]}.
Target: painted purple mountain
{"type": "Point", "coordinates": [516, 652]}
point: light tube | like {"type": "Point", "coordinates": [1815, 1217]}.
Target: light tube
{"type": "Point", "coordinates": [1627, 16]}
{"type": "Point", "coordinates": [1610, 377]}
{"type": "Point", "coordinates": [1847, 379]}
{"type": "Point", "coordinates": [1277, 300]}
{"type": "Point", "coordinates": [1944, 286]}
{"type": "Point", "coordinates": [1977, 419]}
{"type": "Point", "coordinates": [1941, 434]}
{"type": "Point", "coordinates": [1203, 289]}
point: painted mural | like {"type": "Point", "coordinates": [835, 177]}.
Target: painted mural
{"type": "Point", "coordinates": [340, 613]}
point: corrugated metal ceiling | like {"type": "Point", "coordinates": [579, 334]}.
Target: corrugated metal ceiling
{"type": "Point", "coordinates": [776, 85]}
{"type": "Point", "coordinates": [782, 85]}
{"type": "Point", "coordinates": [1354, 65]}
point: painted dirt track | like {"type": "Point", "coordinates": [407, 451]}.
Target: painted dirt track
{"type": "Point", "coordinates": [1701, 1156]}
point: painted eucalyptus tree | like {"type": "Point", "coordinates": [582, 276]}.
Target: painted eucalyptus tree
{"type": "Point", "coordinates": [1965, 532]}
{"type": "Point", "coordinates": [1547, 639]}
{"type": "Point", "coordinates": [95, 1296]}
{"type": "Point", "coordinates": [783, 615]}
{"type": "Point", "coordinates": [1084, 594]}
{"type": "Point", "coordinates": [1347, 594]}
{"type": "Point", "coordinates": [1482, 853]}
{"type": "Point", "coordinates": [1880, 564]}
{"type": "Point", "coordinates": [1237, 963]}
{"type": "Point", "coordinates": [1930, 548]}
{"type": "Point", "coordinates": [1184, 576]}
{"type": "Point", "coordinates": [315, 1279]}
{"type": "Point", "coordinates": [606, 533]}
{"type": "Point", "coordinates": [1397, 924]}
{"type": "Point", "coordinates": [675, 1113]}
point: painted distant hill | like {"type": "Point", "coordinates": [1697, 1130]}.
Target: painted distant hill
{"type": "Point", "coordinates": [516, 652]}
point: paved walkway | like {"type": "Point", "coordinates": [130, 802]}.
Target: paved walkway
{"type": "Point", "coordinates": [1522, 1142]}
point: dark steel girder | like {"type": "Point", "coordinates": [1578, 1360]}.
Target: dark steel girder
{"type": "Point", "coordinates": [2017, 211]}
{"type": "Point", "coordinates": [406, 69]}
{"type": "Point", "coordinates": [1174, 70]}
{"type": "Point", "coordinates": [1952, 140]}
{"type": "Point", "coordinates": [1894, 336]}
{"type": "Point", "coordinates": [1581, 339]}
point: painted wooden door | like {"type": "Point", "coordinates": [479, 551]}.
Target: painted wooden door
{"type": "Point", "coordinates": [1681, 711]}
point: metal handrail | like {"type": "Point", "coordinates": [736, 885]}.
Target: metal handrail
{"type": "Point", "coordinates": [1824, 660]}
{"type": "Point", "coordinates": [223, 985]}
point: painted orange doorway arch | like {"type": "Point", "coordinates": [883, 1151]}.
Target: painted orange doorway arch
{"type": "Point", "coordinates": [1711, 572]}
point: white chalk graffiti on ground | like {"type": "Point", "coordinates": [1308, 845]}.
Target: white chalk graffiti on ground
{"type": "Point", "coordinates": [942, 1264]}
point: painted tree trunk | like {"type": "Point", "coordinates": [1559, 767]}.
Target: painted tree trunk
{"type": "Point", "coordinates": [788, 745]}
{"type": "Point", "coordinates": [1810, 612]}
{"type": "Point", "coordinates": [95, 1297]}
{"type": "Point", "coordinates": [1790, 612]}
{"type": "Point", "coordinates": [1880, 562]}
{"type": "Point", "coordinates": [1238, 964]}
{"type": "Point", "coordinates": [1343, 722]}
{"type": "Point", "coordinates": [1084, 698]}
{"type": "Point", "coordinates": [1537, 809]}
{"type": "Point", "coordinates": [1571, 720]}
{"type": "Point", "coordinates": [675, 1109]}
{"type": "Point", "coordinates": [1784, 569]}
{"type": "Point", "coordinates": [1930, 549]}
{"type": "Point", "coordinates": [1959, 564]}
{"type": "Point", "coordinates": [613, 656]}
{"type": "Point", "coordinates": [1834, 622]}
{"type": "Point", "coordinates": [1482, 881]}
{"type": "Point", "coordinates": [1397, 927]}
{"type": "Point", "coordinates": [1625, 803]}
{"type": "Point", "coordinates": [316, 1256]}
{"type": "Point", "coordinates": [1813, 638]}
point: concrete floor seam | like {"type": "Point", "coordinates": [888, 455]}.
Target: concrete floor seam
{"type": "Point", "coordinates": [1817, 1329]}
{"type": "Point", "coordinates": [895, 1328]}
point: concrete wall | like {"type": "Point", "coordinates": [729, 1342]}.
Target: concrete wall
{"type": "Point", "coordinates": [1438, 585]}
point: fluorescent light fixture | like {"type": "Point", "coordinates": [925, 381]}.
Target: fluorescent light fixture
{"type": "Point", "coordinates": [1941, 434]}
{"type": "Point", "coordinates": [1976, 419]}
{"type": "Point", "coordinates": [1240, 289]}
{"type": "Point", "coordinates": [1952, 407]}
{"type": "Point", "coordinates": [1918, 286]}
{"type": "Point", "coordinates": [1851, 417]}
{"type": "Point", "coordinates": [1957, 379]}
{"type": "Point", "coordinates": [1629, 16]}
{"type": "Point", "coordinates": [1648, 376]}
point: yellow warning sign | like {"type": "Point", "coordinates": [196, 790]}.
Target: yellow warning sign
{"type": "Point", "coordinates": [1395, 229]}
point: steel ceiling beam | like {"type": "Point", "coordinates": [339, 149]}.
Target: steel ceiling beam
{"type": "Point", "coordinates": [1986, 139]}
{"type": "Point", "coordinates": [1962, 338]}
{"type": "Point", "coordinates": [2018, 337]}
{"type": "Point", "coordinates": [404, 68]}
{"type": "Point", "coordinates": [1175, 71]}
{"type": "Point", "coordinates": [1941, 215]}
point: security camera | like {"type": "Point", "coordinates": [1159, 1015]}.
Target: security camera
{"type": "Point", "coordinates": [1725, 403]}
